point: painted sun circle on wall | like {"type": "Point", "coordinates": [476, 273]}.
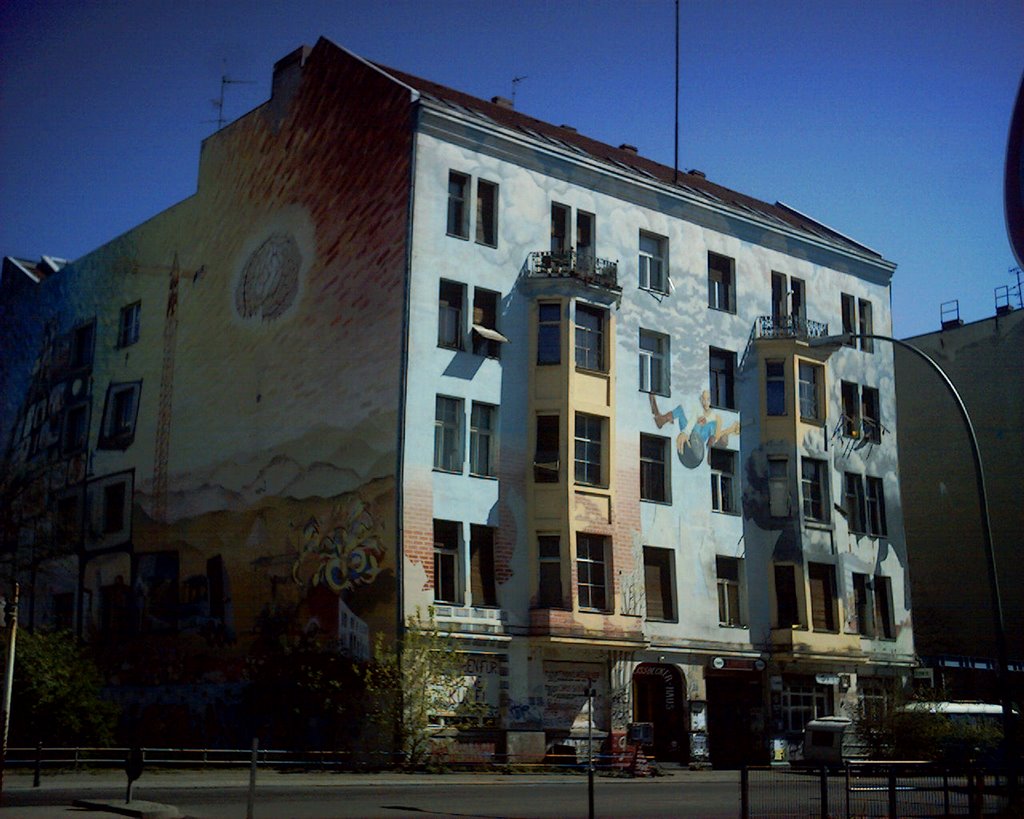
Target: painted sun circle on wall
{"type": "Point", "coordinates": [269, 281]}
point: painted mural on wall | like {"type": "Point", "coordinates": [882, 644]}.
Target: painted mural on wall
{"type": "Point", "coordinates": [707, 429]}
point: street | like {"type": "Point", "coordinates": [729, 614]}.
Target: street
{"type": "Point", "coordinates": [223, 794]}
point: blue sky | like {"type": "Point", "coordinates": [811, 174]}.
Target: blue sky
{"type": "Point", "coordinates": [885, 120]}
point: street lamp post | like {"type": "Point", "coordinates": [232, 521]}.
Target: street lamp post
{"type": "Point", "coordinates": [1009, 728]}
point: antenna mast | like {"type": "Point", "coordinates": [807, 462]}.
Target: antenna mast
{"type": "Point", "coordinates": [218, 103]}
{"type": "Point", "coordinates": [515, 82]}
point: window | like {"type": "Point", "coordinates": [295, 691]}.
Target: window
{"type": "Point", "coordinates": [870, 415]}
{"type": "Point", "coordinates": [82, 342]}
{"type": "Point", "coordinates": [69, 520]}
{"type": "Point", "coordinates": [546, 455]}
{"type": "Point", "coordinates": [822, 578]}
{"type": "Point", "coordinates": [866, 325]}
{"type": "Point", "coordinates": [446, 561]}
{"type": "Point", "coordinates": [118, 430]}
{"type": "Point", "coordinates": [810, 392]}
{"type": "Point", "coordinates": [585, 237]}
{"type": "Point", "coordinates": [861, 604]}
{"type": "Point", "coordinates": [848, 307]}
{"type": "Point", "coordinates": [487, 340]}
{"type": "Point", "coordinates": [728, 570]}
{"type": "Point", "coordinates": [486, 213]}
{"type": "Point", "coordinates": [658, 584]}
{"type": "Point", "coordinates": [854, 502]}
{"type": "Point", "coordinates": [787, 608]}
{"type": "Point", "coordinates": [654, 476]}
{"type": "Point", "coordinates": [482, 587]}
{"type": "Point", "coordinates": [589, 449]}
{"type": "Point", "coordinates": [803, 702]}
{"type": "Point", "coordinates": [481, 440]}
{"type": "Point", "coordinates": [814, 483]}
{"type": "Point", "coordinates": [76, 428]}
{"type": "Point", "coordinates": [590, 337]}
{"type": "Point", "coordinates": [113, 507]}
{"type": "Point", "coordinates": [875, 507]}
{"type": "Point", "coordinates": [652, 263]}
{"type": "Point", "coordinates": [797, 301]}
{"type": "Point", "coordinates": [559, 228]}
{"type": "Point", "coordinates": [788, 301]}
{"type": "Point", "coordinates": [549, 333]}
{"type": "Point", "coordinates": [721, 284]}
{"type": "Point", "coordinates": [448, 434]}
{"type": "Point", "coordinates": [451, 298]}
{"type": "Point", "coordinates": [884, 626]}
{"type": "Point", "coordinates": [721, 376]}
{"type": "Point", "coordinates": [778, 487]}
{"type": "Point", "coordinates": [458, 210]}
{"type": "Point", "coordinates": [590, 571]}
{"type": "Point", "coordinates": [723, 487]}
{"type": "Point", "coordinates": [775, 387]}
{"type": "Point", "coordinates": [851, 409]}
{"type": "Point", "coordinates": [128, 326]}
{"type": "Point", "coordinates": [549, 551]}
{"type": "Point", "coordinates": [654, 362]}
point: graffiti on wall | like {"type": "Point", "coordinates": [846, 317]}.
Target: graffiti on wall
{"type": "Point", "coordinates": [705, 430]}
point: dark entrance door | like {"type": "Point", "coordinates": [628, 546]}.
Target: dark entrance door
{"type": "Point", "coordinates": [736, 720]}
{"type": "Point", "coordinates": [659, 697]}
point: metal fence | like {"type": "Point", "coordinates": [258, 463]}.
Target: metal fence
{"type": "Point", "coordinates": [863, 789]}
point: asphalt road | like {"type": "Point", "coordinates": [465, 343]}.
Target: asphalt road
{"type": "Point", "coordinates": [223, 794]}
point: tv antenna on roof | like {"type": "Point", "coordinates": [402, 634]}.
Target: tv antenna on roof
{"type": "Point", "coordinates": [218, 103]}
{"type": "Point", "coordinates": [515, 82]}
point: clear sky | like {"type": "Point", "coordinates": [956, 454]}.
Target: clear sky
{"type": "Point", "coordinates": [886, 120]}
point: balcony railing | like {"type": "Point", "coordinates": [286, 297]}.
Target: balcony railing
{"type": "Point", "coordinates": [568, 264]}
{"type": "Point", "coordinates": [788, 327]}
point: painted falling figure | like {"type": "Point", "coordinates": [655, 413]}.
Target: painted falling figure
{"type": "Point", "coordinates": [707, 430]}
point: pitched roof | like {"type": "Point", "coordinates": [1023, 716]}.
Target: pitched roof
{"type": "Point", "coordinates": [626, 159]}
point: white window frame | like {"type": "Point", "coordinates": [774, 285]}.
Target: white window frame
{"type": "Point", "coordinates": [654, 468]}
{"type": "Point", "coordinates": [722, 379]}
{"type": "Point", "coordinates": [774, 373]}
{"type": "Point", "coordinates": [721, 283]}
{"type": "Point", "coordinates": [590, 341]}
{"type": "Point", "coordinates": [814, 490]}
{"type": "Point", "coordinates": [729, 581]}
{"type": "Point", "coordinates": [810, 392]}
{"type": "Point", "coordinates": [654, 362]}
{"type": "Point", "coordinates": [482, 439]}
{"type": "Point", "coordinates": [592, 571]}
{"type": "Point", "coordinates": [652, 262]}
{"type": "Point", "coordinates": [589, 455]}
{"type": "Point", "coordinates": [723, 480]}
{"type": "Point", "coordinates": [457, 221]}
{"type": "Point", "coordinates": [450, 317]}
{"type": "Point", "coordinates": [448, 423]}
{"type": "Point", "coordinates": [448, 557]}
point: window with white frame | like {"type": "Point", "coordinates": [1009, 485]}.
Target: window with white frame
{"type": "Point", "coordinates": [814, 488]}
{"type": "Point", "coordinates": [119, 415]}
{"type": "Point", "coordinates": [654, 461]}
{"type": "Point", "coordinates": [721, 283]}
{"type": "Point", "coordinates": [652, 263]}
{"type": "Point", "coordinates": [446, 561]}
{"type": "Point", "coordinates": [448, 434]}
{"type": "Point", "coordinates": [590, 571]}
{"type": "Point", "coordinates": [658, 584]}
{"type": "Point", "coordinates": [722, 377]}
{"type": "Point", "coordinates": [128, 324]}
{"type": "Point", "coordinates": [487, 340]}
{"type": "Point", "coordinates": [778, 487]}
{"type": "Point", "coordinates": [654, 362]}
{"type": "Point", "coordinates": [728, 571]}
{"type": "Point", "coordinates": [590, 334]}
{"type": "Point", "coordinates": [810, 392]}
{"type": "Point", "coordinates": [589, 449]}
{"type": "Point", "coordinates": [549, 552]}
{"type": "Point", "coordinates": [775, 387]}
{"type": "Point", "coordinates": [802, 702]}
{"type": "Point", "coordinates": [450, 311]}
{"type": "Point", "coordinates": [458, 205]}
{"type": "Point", "coordinates": [857, 319]}
{"type": "Point", "coordinates": [481, 439]}
{"type": "Point", "coordinates": [723, 484]}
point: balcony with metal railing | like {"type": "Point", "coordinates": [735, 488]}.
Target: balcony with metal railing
{"type": "Point", "coordinates": [568, 264]}
{"type": "Point", "coordinates": [796, 327]}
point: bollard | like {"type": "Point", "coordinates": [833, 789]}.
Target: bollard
{"type": "Point", "coordinates": [823, 790]}
{"type": "Point", "coordinates": [252, 779]}
{"type": "Point", "coordinates": [39, 763]}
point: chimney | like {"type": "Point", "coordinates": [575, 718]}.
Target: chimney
{"type": "Point", "coordinates": [625, 146]}
{"type": "Point", "coordinates": [288, 72]}
{"type": "Point", "coordinates": [696, 172]}
{"type": "Point", "coordinates": [570, 128]}
{"type": "Point", "coordinates": [502, 102]}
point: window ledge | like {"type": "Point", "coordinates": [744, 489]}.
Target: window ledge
{"type": "Point", "coordinates": [457, 236]}
{"type": "Point", "coordinates": [820, 525]}
{"type": "Point", "coordinates": [591, 370]}
{"type": "Point", "coordinates": [483, 477]}
{"type": "Point", "coordinates": [660, 620]}
{"type": "Point", "coordinates": [447, 471]}
{"type": "Point", "coordinates": [662, 393]}
{"type": "Point", "coordinates": [486, 244]}
{"type": "Point", "coordinates": [656, 290]}
{"type": "Point", "coordinates": [737, 626]}
{"type": "Point", "coordinates": [657, 502]}
{"type": "Point", "coordinates": [729, 514]}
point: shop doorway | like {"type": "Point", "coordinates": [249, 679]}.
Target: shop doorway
{"type": "Point", "coordinates": [736, 720]}
{"type": "Point", "coordinates": [659, 697]}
